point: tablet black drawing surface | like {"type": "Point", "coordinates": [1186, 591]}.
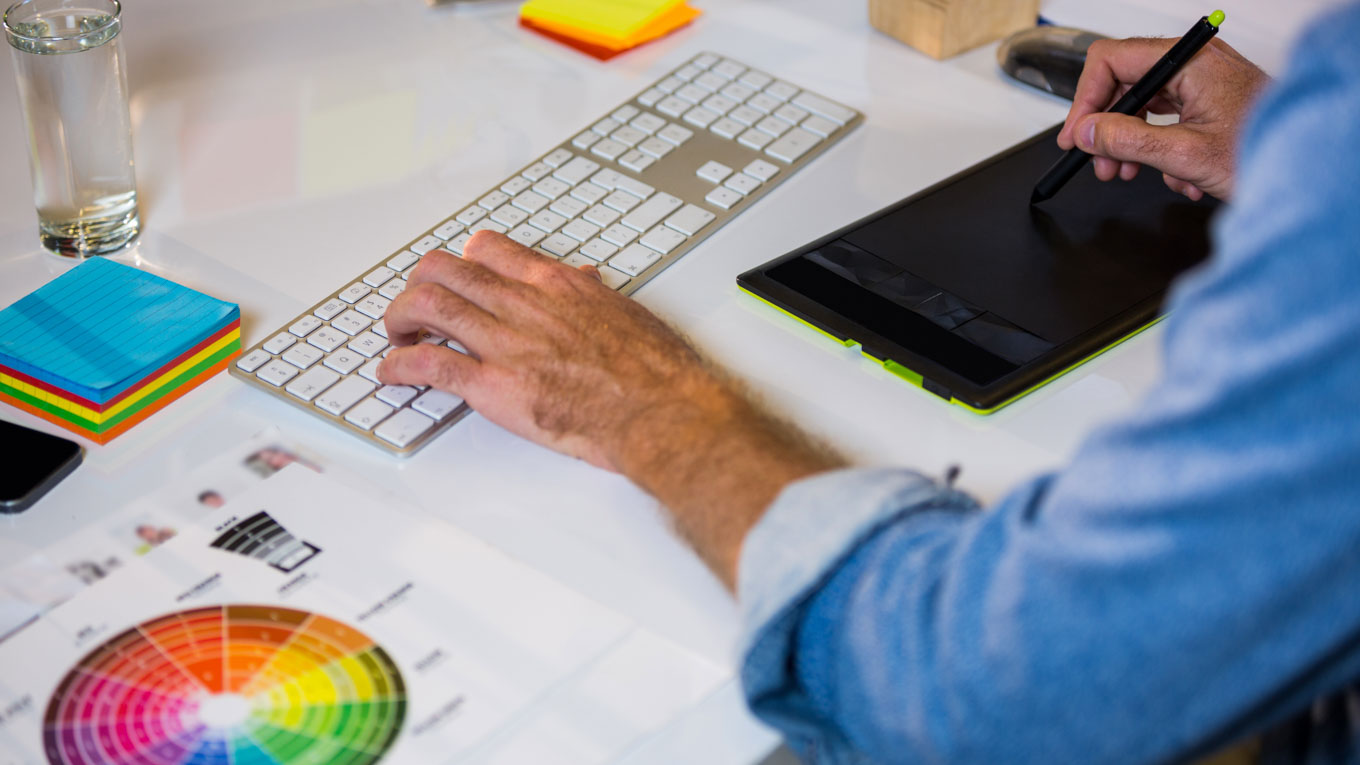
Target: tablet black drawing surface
{"type": "Point", "coordinates": [978, 297]}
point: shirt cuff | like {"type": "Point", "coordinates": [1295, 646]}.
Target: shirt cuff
{"type": "Point", "coordinates": [813, 526]}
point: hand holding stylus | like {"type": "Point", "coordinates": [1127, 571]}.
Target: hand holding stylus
{"type": "Point", "coordinates": [1212, 95]}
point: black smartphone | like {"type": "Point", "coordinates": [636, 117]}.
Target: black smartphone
{"type": "Point", "coordinates": [35, 464]}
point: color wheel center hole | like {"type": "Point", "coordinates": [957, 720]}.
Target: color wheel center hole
{"type": "Point", "coordinates": [223, 710]}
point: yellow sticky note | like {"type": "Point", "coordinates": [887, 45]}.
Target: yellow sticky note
{"type": "Point", "coordinates": [614, 20]}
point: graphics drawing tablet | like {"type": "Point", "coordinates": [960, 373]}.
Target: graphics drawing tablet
{"type": "Point", "coordinates": [969, 292]}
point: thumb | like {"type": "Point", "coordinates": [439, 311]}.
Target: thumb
{"type": "Point", "coordinates": [1133, 139]}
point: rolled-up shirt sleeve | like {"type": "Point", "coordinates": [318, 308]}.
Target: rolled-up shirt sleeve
{"type": "Point", "coordinates": [1187, 579]}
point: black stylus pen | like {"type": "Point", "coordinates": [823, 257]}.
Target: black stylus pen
{"type": "Point", "coordinates": [1133, 101]}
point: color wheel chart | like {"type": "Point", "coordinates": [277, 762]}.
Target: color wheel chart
{"type": "Point", "coordinates": [228, 685]}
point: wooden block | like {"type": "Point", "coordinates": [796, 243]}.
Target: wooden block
{"type": "Point", "coordinates": [942, 28]}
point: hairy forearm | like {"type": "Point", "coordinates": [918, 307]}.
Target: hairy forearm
{"type": "Point", "coordinates": [716, 461]}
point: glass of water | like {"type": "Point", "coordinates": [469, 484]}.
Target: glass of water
{"type": "Point", "coordinates": [73, 91]}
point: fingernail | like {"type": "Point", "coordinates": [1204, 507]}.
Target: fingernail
{"type": "Point", "coordinates": [1086, 134]}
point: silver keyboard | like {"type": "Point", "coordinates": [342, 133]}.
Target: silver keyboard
{"type": "Point", "coordinates": [630, 194]}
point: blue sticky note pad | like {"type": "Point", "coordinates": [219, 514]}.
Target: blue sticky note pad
{"type": "Point", "coordinates": [102, 327]}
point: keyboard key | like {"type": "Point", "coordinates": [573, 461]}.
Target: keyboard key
{"type": "Point", "coordinates": [727, 128]}
{"type": "Point", "coordinates": [719, 104]}
{"type": "Point", "coordinates": [589, 193]}
{"type": "Point", "coordinates": [675, 134]}
{"type": "Point", "coordinates": [313, 381]}
{"type": "Point", "coordinates": [373, 306]}
{"type": "Point", "coordinates": [580, 230]}
{"type": "Point", "coordinates": [575, 171]}
{"type": "Point", "coordinates": [691, 93]}
{"type": "Point", "coordinates": [370, 370]}
{"type": "Point", "coordinates": [393, 288]}
{"type": "Point", "coordinates": [628, 136]}
{"type": "Point", "coordinates": [609, 149]}
{"type": "Point", "coordinates": [600, 215]}
{"type": "Point", "coordinates": [791, 114]}
{"type": "Point", "coordinates": [635, 259]}
{"type": "Point", "coordinates": [705, 60]}
{"type": "Point", "coordinates": [774, 126]}
{"type": "Point", "coordinates": [755, 139]}
{"type": "Point", "coordinates": [625, 113]}
{"type": "Point", "coordinates": [396, 395]}
{"type": "Point", "coordinates": [527, 235]}
{"type": "Point", "coordinates": [557, 158]}
{"type": "Point", "coordinates": [672, 106]}
{"type": "Point", "coordinates": [737, 92]}
{"type": "Point", "coordinates": [455, 246]}
{"type": "Point", "coordinates": [368, 344]}
{"type": "Point", "coordinates": [302, 327]}
{"type": "Point", "coordinates": [530, 201]}
{"type": "Point", "coordinates": [781, 90]}
{"type": "Point", "coordinates": [605, 126]}
{"type": "Point", "coordinates": [763, 103]}
{"type": "Point", "coordinates": [576, 260]}
{"type": "Point", "coordinates": [302, 355]}
{"type": "Point", "coordinates": [437, 404]}
{"type": "Point", "coordinates": [279, 343]}
{"type": "Point", "coordinates": [586, 140]}
{"type": "Point", "coordinates": [379, 276]}
{"type": "Point", "coordinates": [344, 394]}
{"type": "Point", "coordinates": [547, 221]}
{"type": "Point", "coordinates": [742, 184]}
{"type": "Point", "coordinates": [729, 69]}
{"type": "Point", "coordinates": [656, 147]}
{"type": "Point", "coordinates": [637, 161]}
{"type": "Point", "coordinates": [598, 249]}
{"type": "Point", "coordinates": [761, 170]}
{"type": "Point", "coordinates": [509, 215]}
{"type": "Point", "coordinates": [633, 186]}
{"type": "Point", "coordinates": [351, 322]}
{"type": "Point", "coordinates": [568, 207]}
{"type": "Point", "coordinates": [713, 172]}
{"type": "Point", "coordinates": [650, 96]}
{"type": "Point", "coordinates": [551, 188]}
{"type": "Point", "coordinates": [327, 339]}
{"type": "Point", "coordinates": [369, 413]}
{"type": "Point", "coordinates": [277, 373]}
{"type": "Point", "coordinates": [252, 361]}
{"type": "Point", "coordinates": [723, 197]}
{"type": "Point", "coordinates": [793, 145]}
{"type": "Point", "coordinates": [619, 235]}
{"type": "Point", "coordinates": [344, 361]}
{"type": "Point", "coordinates": [746, 115]}
{"type": "Point", "coordinates": [426, 244]}
{"type": "Point", "coordinates": [379, 328]}
{"type": "Point", "coordinates": [403, 427]}
{"type": "Point", "coordinates": [486, 225]}
{"type": "Point", "coordinates": [491, 201]}
{"type": "Point", "coordinates": [754, 79]}
{"type": "Point", "coordinates": [829, 109]}
{"type": "Point", "coordinates": [613, 278]}
{"type": "Point", "coordinates": [669, 84]}
{"type": "Point", "coordinates": [700, 117]}
{"type": "Point", "coordinates": [621, 201]}
{"type": "Point", "coordinates": [470, 216]}
{"type": "Point", "coordinates": [652, 212]}
{"type": "Point", "coordinates": [516, 185]}
{"type": "Point", "coordinates": [330, 308]}
{"type": "Point", "coordinates": [688, 72]}
{"type": "Point", "coordinates": [662, 239]}
{"type": "Point", "coordinates": [648, 123]}
{"type": "Point", "coordinates": [355, 292]}
{"type": "Point", "coordinates": [560, 245]}
{"type": "Point", "coordinates": [690, 220]}
{"type": "Point", "coordinates": [819, 125]}
{"type": "Point", "coordinates": [710, 82]}
{"type": "Point", "coordinates": [537, 171]}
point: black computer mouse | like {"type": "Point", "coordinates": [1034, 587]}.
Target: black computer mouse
{"type": "Point", "coordinates": [1048, 58]}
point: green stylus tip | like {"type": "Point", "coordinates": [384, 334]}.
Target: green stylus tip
{"type": "Point", "coordinates": [1216, 18]}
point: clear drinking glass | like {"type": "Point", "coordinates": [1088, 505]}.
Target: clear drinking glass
{"type": "Point", "coordinates": [73, 91]}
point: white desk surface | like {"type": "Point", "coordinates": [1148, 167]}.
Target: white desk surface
{"type": "Point", "coordinates": [284, 147]}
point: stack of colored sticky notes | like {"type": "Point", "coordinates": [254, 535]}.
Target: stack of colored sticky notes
{"type": "Point", "coordinates": [104, 346]}
{"type": "Point", "coordinates": [605, 28]}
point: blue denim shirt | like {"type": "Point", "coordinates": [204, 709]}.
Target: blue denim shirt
{"type": "Point", "coordinates": [1190, 579]}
